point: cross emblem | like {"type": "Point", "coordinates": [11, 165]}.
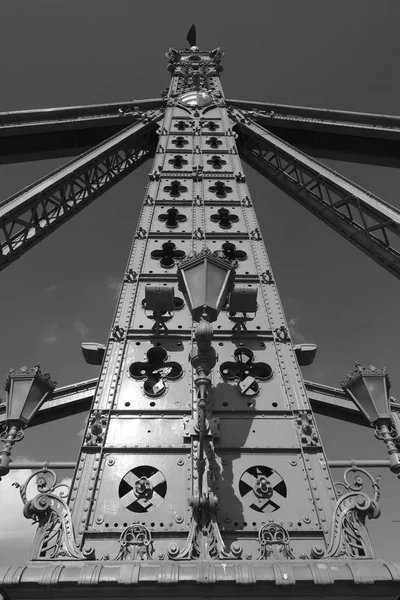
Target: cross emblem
{"type": "Point", "coordinates": [178, 161]}
{"type": "Point", "coordinates": [224, 218]}
{"type": "Point", "coordinates": [155, 371]}
{"type": "Point", "coordinates": [246, 372]}
{"type": "Point", "coordinates": [172, 218]}
{"type": "Point", "coordinates": [213, 142]}
{"type": "Point", "coordinates": [220, 189]}
{"type": "Point", "coordinates": [175, 188]}
{"type": "Point", "coordinates": [216, 162]}
{"type": "Point", "coordinates": [167, 255]}
{"type": "Point", "coordinates": [180, 141]}
{"type": "Point", "coordinates": [229, 251]}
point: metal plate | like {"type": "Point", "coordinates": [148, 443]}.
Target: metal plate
{"type": "Point", "coordinates": [181, 319]}
{"type": "Point", "coordinates": [112, 499]}
{"type": "Point", "coordinates": [152, 265]}
{"type": "Point", "coordinates": [211, 195]}
{"type": "Point", "coordinates": [138, 432]}
{"type": "Point", "coordinates": [257, 432]}
{"type": "Point", "coordinates": [272, 394]}
{"type": "Point", "coordinates": [289, 504]}
{"type": "Point", "coordinates": [166, 197]}
{"type": "Point", "coordinates": [244, 267]}
{"type": "Point", "coordinates": [131, 396]}
{"type": "Point", "coordinates": [172, 147]}
{"type": "Point", "coordinates": [183, 226]}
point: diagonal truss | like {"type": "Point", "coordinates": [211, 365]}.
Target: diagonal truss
{"type": "Point", "coordinates": [325, 133]}
{"type": "Point", "coordinates": [68, 131]}
{"type": "Point", "coordinates": [30, 215]}
{"type": "Point", "coordinates": [362, 218]}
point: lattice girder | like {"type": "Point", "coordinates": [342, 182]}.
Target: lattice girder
{"type": "Point", "coordinates": [363, 219]}
{"type": "Point", "coordinates": [30, 215]}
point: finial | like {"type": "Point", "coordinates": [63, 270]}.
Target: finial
{"type": "Point", "coordinates": [191, 38]}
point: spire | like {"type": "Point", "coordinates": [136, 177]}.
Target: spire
{"type": "Point", "coordinates": [191, 36]}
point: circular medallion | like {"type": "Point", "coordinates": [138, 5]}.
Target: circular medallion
{"type": "Point", "coordinates": [142, 489]}
{"type": "Point", "coordinates": [196, 98]}
{"type": "Point", "coordinates": [262, 489]}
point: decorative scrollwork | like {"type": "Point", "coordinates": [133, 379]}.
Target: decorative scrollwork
{"type": "Point", "coordinates": [274, 542]}
{"type": "Point", "coordinates": [349, 535]}
{"type": "Point", "coordinates": [204, 541]}
{"type": "Point", "coordinates": [55, 534]}
{"type": "Point", "coordinates": [135, 543]}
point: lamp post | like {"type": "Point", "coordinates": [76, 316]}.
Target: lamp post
{"type": "Point", "coordinates": [369, 388]}
{"type": "Point", "coordinates": [27, 389]}
{"type": "Point", "coordinates": [205, 281]}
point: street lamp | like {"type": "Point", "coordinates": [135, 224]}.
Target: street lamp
{"type": "Point", "coordinates": [205, 281]}
{"type": "Point", "coordinates": [26, 389]}
{"type": "Point", "coordinates": [369, 388]}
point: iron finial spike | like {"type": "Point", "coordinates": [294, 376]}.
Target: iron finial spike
{"type": "Point", "coordinates": [191, 36]}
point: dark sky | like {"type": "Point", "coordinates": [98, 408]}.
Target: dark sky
{"type": "Point", "coordinates": [342, 54]}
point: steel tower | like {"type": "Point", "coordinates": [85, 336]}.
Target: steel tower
{"type": "Point", "coordinates": [173, 485]}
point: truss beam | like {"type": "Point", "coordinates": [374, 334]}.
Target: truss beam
{"type": "Point", "coordinates": [365, 220]}
{"type": "Point", "coordinates": [333, 134]}
{"type": "Point", "coordinates": [53, 132]}
{"type": "Point", "coordinates": [30, 215]}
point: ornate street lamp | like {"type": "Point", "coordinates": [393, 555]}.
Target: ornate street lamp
{"type": "Point", "coordinates": [205, 281]}
{"type": "Point", "coordinates": [26, 389]}
{"type": "Point", "coordinates": [369, 388]}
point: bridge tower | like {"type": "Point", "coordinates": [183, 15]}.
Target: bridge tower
{"type": "Point", "coordinates": [174, 484]}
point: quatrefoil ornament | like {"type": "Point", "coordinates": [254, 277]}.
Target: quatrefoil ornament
{"type": "Point", "coordinates": [167, 255]}
{"type": "Point", "coordinates": [213, 142]}
{"type": "Point", "coordinates": [172, 218]}
{"type": "Point", "coordinates": [220, 189]}
{"type": "Point", "coordinates": [245, 372]}
{"type": "Point", "coordinates": [224, 218]}
{"type": "Point", "coordinates": [175, 189]}
{"type": "Point", "coordinates": [230, 252]}
{"type": "Point", "coordinates": [178, 161]}
{"type": "Point", "coordinates": [180, 141]}
{"type": "Point", "coordinates": [156, 371]}
{"type": "Point", "coordinates": [216, 162]}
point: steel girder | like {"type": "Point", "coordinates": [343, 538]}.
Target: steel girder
{"type": "Point", "coordinates": [48, 133]}
{"type": "Point", "coordinates": [30, 215]}
{"type": "Point", "coordinates": [365, 220]}
{"type": "Point", "coordinates": [76, 398]}
{"type": "Point", "coordinates": [334, 134]}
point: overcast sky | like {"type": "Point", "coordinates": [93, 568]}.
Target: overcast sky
{"type": "Point", "coordinates": [342, 54]}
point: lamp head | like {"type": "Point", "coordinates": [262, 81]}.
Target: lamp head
{"type": "Point", "coordinates": [26, 389]}
{"type": "Point", "coordinates": [205, 280]}
{"type": "Point", "coordinates": [369, 388]}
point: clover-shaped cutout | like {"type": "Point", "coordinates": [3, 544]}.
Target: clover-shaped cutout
{"type": "Point", "coordinates": [246, 372]}
{"type": "Point", "coordinates": [167, 255]}
{"type": "Point", "coordinates": [155, 371]}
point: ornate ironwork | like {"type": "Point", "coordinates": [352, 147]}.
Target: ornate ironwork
{"type": "Point", "coordinates": [172, 218]}
{"type": "Point", "coordinates": [349, 535]}
{"type": "Point", "coordinates": [135, 543]}
{"type": "Point", "coordinates": [55, 534]}
{"type": "Point", "coordinates": [274, 542]}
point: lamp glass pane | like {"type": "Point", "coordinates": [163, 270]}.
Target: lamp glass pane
{"type": "Point", "coordinates": [215, 282]}
{"type": "Point", "coordinates": [196, 284]}
{"type": "Point", "coordinates": [18, 393]}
